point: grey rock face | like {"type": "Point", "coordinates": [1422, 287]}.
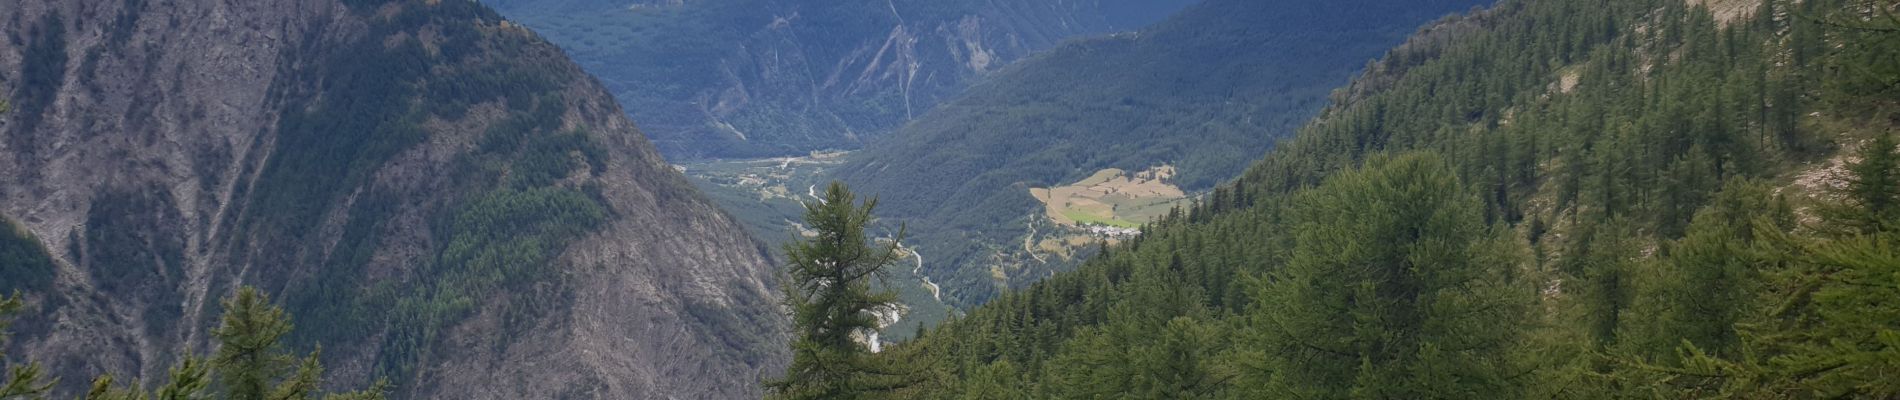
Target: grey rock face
{"type": "Point", "coordinates": [752, 78]}
{"type": "Point", "coordinates": [145, 148]}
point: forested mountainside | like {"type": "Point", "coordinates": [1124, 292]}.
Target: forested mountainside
{"type": "Point", "coordinates": [759, 78]}
{"type": "Point", "coordinates": [1547, 199]}
{"type": "Point", "coordinates": [1199, 95]}
{"type": "Point", "coordinates": [437, 195]}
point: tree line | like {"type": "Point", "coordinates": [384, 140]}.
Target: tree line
{"type": "Point", "coordinates": [1565, 199]}
{"type": "Point", "coordinates": [251, 363]}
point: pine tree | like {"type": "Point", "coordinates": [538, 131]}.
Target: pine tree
{"type": "Point", "coordinates": [1000, 380]}
{"type": "Point", "coordinates": [1396, 289]}
{"type": "Point", "coordinates": [1868, 62]}
{"type": "Point", "coordinates": [1838, 334]}
{"type": "Point", "coordinates": [189, 381]}
{"type": "Point", "coordinates": [249, 356]}
{"type": "Point", "coordinates": [190, 378]}
{"type": "Point", "coordinates": [1711, 277]}
{"type": "Point", "coordinates": [1829, 327]}
{"type": "Point", "coordinates": [251, 362]}
{"type": "Point", "coordinates": [1601, 270]}
{"type": "Point", "coordinates": [828, 288]}
{"type": "Point", "coordinates": [1872, 197]}
{"type": "Point", "coordinates": [21, 381]}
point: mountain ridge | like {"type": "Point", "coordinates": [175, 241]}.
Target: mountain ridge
{"type": "Point", "coordinates": [762, 78]}
{"type": "Point", "coordinates": [361, 160]}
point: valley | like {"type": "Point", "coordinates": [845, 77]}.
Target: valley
{"type": "Point", "coordinates": [1113, 202]}
{"type": "Point", "coordinates": [1203, 93]}
{"type": "Point", "coordinates": [950, 199]}
{"type": "Point", "coordinates": [767, 196]}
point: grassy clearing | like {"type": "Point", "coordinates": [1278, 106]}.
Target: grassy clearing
{"type": "Point", "coordinates": [1113, 197]}
{"type": "Point", "coordinates": [1084, 218]}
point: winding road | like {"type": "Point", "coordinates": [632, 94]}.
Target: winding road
{"type": "Point", "coordinates": [1029, 243]}
{"type": "Point", "coordinates": [935, 291]}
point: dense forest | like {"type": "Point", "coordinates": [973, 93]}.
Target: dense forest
{"type": "Point", "coordinates": [1206, 91]}
{"type": "Point", "coordinates": [1545, 199]}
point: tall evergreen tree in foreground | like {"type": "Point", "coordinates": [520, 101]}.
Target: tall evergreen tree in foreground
{"type": "Point", "coordinates": [828, 287]}
{"type": "Point", "coordinates": [250, 364]}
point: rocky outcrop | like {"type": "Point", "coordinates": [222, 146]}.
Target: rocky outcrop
{"type": "Point", "coordinates": [437, 194]}
{"type": "Point", "coordinates": [783, 77]}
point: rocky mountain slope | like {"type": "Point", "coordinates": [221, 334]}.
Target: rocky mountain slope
{"type": "Point", "coordinates": [436, 194]}
{"type": "Point", "coordinates": [1201, 94]}
{"type": "Point", "coordinates": [754, 78]}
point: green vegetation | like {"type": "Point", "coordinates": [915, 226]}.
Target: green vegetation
{"type": "Point", "coordinates": [1394, 289]}
{"type": "Point", "coordinates": [1207, 92]}
{"type": "Point", "coordinates": [132, 252]}
{"type": "Point", "coordinates": [250, 363]}
{"type": "Point", "coordinates": [24, 262]}
{"type": "Point", "coordinates": [20, 381]}
{"type": "Point", "coordinates": [502, 238]}
{"type": "Point", "coordinates": [767, 195]}
{"type": "Point", "coordinates": [508, 208]}
{"type": "Point", "coordinates": [1548, 199]}
{"type": "Point", "coordinates": [1113, 197]}
{"type": "Point", "coordinates": [828, 287]}
{"type": "Point", "coordinates": [1090, 218]}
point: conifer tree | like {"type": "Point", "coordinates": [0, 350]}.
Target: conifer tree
{"type": "Point", "coordinates": [250, 357]}
{"type": "Point", "coordinates": [1828, 327]}
{"type": "Point", "coordinates": [21, 381]}
{"type": "Point", "coordinates": [189, 381]}
{"type": "Point", "coordinates": [1711, 277]}
{"type": "Point", "coordinates": [1872, 197]}
{"type": "Point", "coordinates": [1396, 289]}
{"type": "Point", "coordinates": [251, 362]}
{"type": "Point", "coordinates": [828, 287]}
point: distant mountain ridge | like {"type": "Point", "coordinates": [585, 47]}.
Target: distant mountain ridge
{"type": "Point", "coordinates": [756, 78]}
{"type": "Point", "coordinates": [437, 195]}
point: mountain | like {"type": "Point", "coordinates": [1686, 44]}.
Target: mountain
{"type": "Point", "coordinates": [435, 193]}
{"type": "Point", "coordinates": [762, 78]}
{"type": "Point", "coordinates": [1187, 102]}
{"type": "Point", "coordinates": [1545, 199]}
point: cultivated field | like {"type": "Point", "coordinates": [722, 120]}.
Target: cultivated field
{"type": "Point", "coordinates": [1112, 197]}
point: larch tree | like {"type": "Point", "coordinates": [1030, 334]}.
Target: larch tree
{"type": "Point", "coordinates": [828, 287]}
{"type": "Point", "coordinates": [1396, 289]}
{"type": "Point", "coordinates": [20, 381]}
{"type": "Point", "coordinates": [1871, 200]}
{"type": "Point", "coordinates": [252, 364]}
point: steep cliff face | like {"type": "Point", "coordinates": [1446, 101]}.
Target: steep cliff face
{"type": "Point", "coordinates": [435, 193]}
{"type": "Point", "coordinates": [777, 77]}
